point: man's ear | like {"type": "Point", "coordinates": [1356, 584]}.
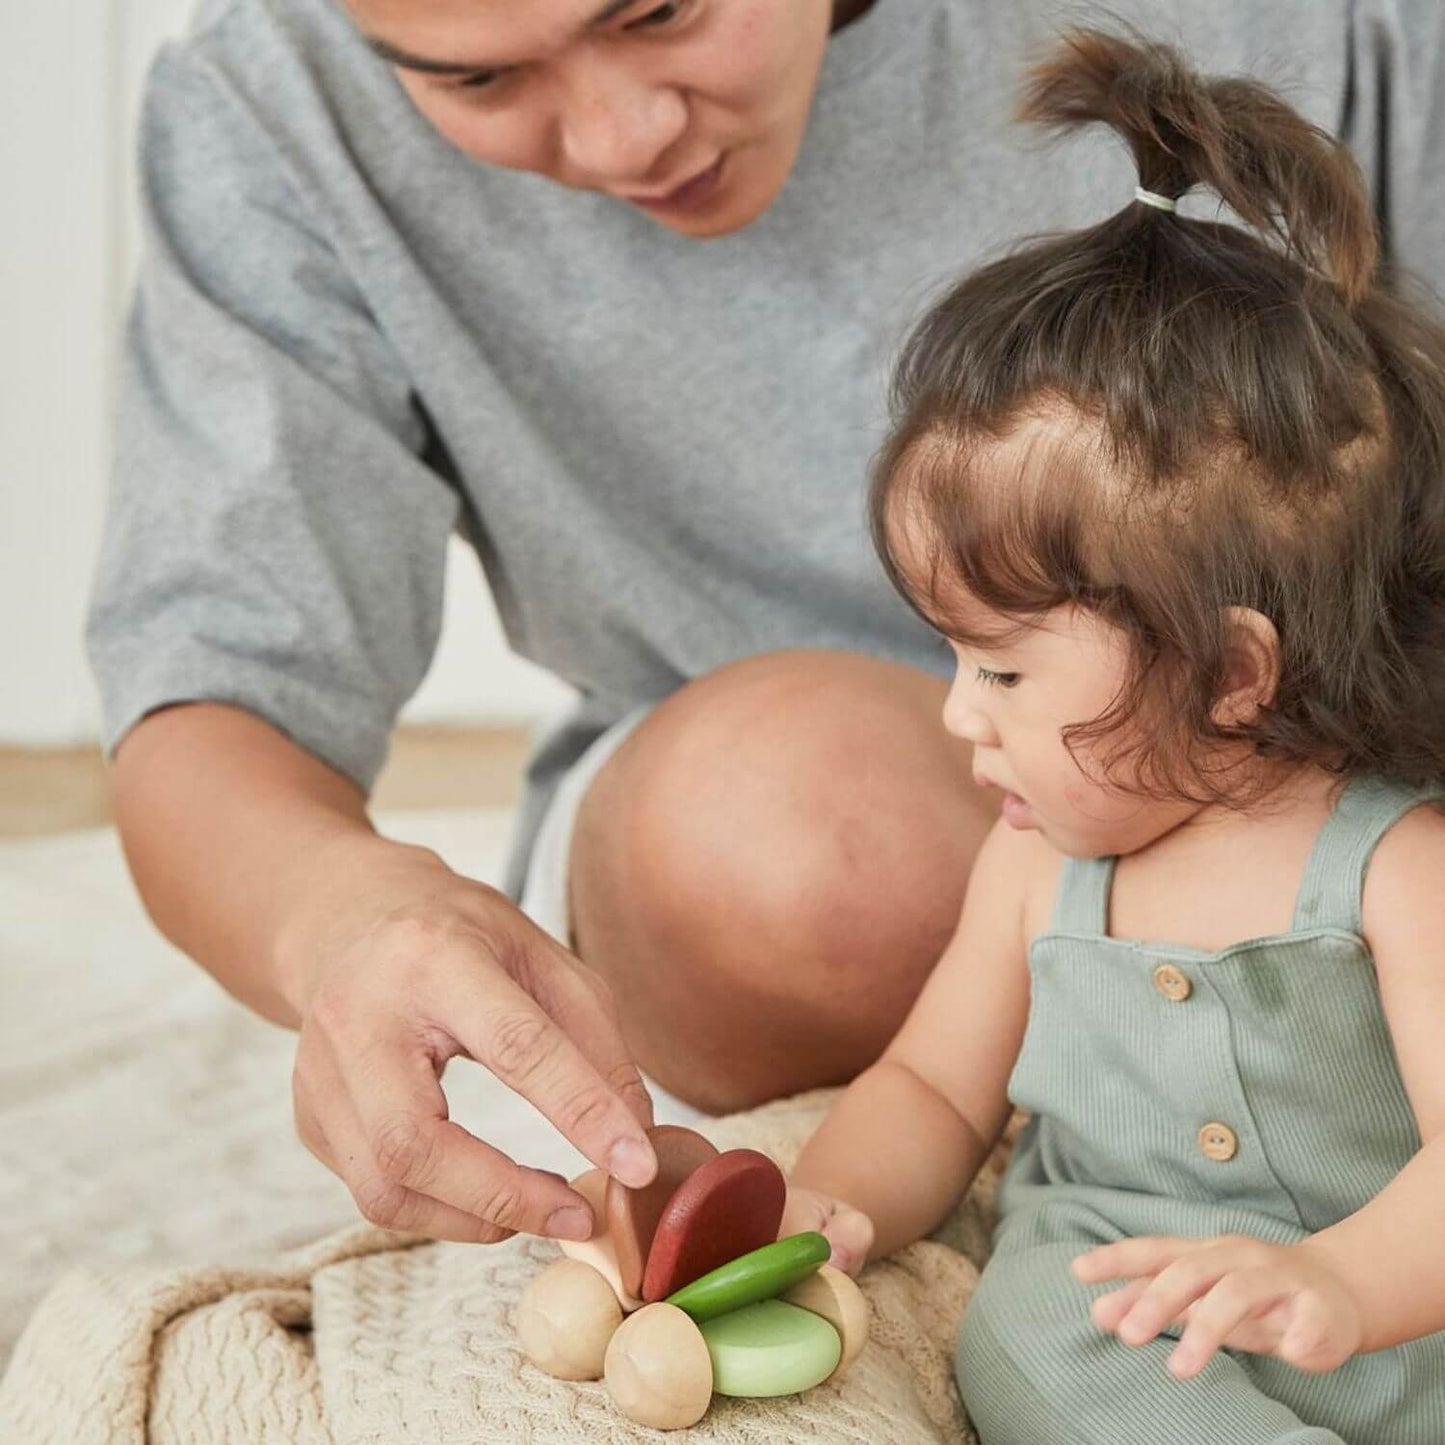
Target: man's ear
{"type": "Point", "coordinates": [1251, 667]}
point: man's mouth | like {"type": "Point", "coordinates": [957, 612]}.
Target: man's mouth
{"type": "Point", "coordinates": [688, 195]}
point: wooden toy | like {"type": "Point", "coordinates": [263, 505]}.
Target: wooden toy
{"type": "Point", "coordinates": [600, 1251]}
{"type": "Point", "coordinates": [832, 1294]}
{"type": "Point", "coordinates": [731, 1204]}
{"type": "Point", "coordinates": [758, 1275]}
{"type": "Point", "coordinates": [658, 1369]}
{"type": "Point", "coordinates": [566, 1319]}
{"type": "Point", "coordinates": [632, 1214]}
{"type": "Point", "coordinates": [770, 1348]}
{"type": "Point", "coordinates": [715, 1236]}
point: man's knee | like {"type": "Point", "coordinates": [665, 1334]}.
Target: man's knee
{"type": "Point", "coordinates": [781, 847]}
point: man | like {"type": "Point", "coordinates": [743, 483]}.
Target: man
{"type": "Point", "coordinates": [612, 287]}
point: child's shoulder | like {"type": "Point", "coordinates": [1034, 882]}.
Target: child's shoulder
{"type": "Point", "coordinates": [1401, 898]}
{"type": "Point", "coordinates": [1021, 865]}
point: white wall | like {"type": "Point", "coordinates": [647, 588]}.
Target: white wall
{"type": "Point", "coordinates": [55, 298]}
{"type": "Point", "coordinates": [70, 81]}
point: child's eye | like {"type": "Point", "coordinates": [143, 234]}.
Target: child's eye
{"type": "Point", "coordinates": [997, 679]}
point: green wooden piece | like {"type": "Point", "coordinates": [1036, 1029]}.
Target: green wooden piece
{"type": "Point", "coordinates": [771, 1348]}
{"type": "Point", "coordinates": [758, 1275]}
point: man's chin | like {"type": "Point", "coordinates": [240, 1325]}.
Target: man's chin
{"type": "Point", "coordinates": [698, 229]}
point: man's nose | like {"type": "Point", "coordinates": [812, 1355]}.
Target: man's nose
{"type": "Point", "coordinates": [616, 124]}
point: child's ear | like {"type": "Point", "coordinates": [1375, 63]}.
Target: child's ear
{"type": "Point", "coordinates": [1251, 667]}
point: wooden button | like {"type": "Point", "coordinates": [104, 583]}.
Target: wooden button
{"type": "Point", "coordinates": [1173, 983]}
{"type": "Point", "coordinates": [1219, 1142]}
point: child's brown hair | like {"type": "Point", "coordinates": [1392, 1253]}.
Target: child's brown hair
{"type": "Point", "coordinates": [1159, 418]}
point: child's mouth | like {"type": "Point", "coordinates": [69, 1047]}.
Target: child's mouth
{"type": "Point", "coordinates": [1016, 812]}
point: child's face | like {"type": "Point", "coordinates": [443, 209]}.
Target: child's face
{"type": "Point", "coordinates": [1014, 703]}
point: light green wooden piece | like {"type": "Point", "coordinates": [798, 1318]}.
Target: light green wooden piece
{"type": "Point", "coordinates": [757, 1275]}
{"type": "Point", "coordinates": [771, 1348]}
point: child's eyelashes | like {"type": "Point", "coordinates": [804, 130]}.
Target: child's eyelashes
{"type": "Point", "coordinates": [984, 674]}
{"type": "Point", "coordinates": [997, 679]}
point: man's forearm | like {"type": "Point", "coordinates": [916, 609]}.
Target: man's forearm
{"type": "Point", "coordinates": [229, 827]}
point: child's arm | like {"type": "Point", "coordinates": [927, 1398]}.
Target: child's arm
{"type": "Point", "coordinates": [1375, 1279]}
{"type": "Point", "coordinates": [1391, 1254]}
{"type": "Point", "coordinates": [909, 1134]}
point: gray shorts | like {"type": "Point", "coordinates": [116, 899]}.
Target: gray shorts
{"type": "Point", "coordinates": [545, 894]}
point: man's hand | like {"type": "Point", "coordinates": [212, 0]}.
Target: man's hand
{"type": "Point", "coordinates": [402, 967]}
{"type": "Point", "coordinates": [1231, 1292]}
{"type": "Point", "coordinates": [849, 1231]}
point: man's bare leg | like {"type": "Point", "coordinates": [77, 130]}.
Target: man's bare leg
{"type": "Point", "coordinates": [768, 867]}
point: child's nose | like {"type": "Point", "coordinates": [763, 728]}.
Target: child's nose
{"type": "Point", "coordinates": [964, 719]}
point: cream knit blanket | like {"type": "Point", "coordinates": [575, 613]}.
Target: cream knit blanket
{"type": "Point", "coordinates": [368, 1337]}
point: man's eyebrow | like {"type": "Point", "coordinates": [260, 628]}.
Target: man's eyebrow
{"type": "Point", "coordinates": [396, 56]}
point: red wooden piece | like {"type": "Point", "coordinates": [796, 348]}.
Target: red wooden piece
{"type": "Point", "coordinates": [632, 1214]}
{"type": "Point", "coordinates": [728, 1206]}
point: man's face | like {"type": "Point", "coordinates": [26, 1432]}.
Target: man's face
{"type": "Point", "coordinates": [691, 110]}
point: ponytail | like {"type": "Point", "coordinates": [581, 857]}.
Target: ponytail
{"type": "Point", "coordinates": [1281, 175]}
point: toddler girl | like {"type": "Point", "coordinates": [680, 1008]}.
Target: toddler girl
{"type": "Point", "coordinates": [1173, 491]}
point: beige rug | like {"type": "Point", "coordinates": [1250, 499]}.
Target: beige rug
{"type": "Point", "coordinates": [205, 1279]}
{"type": "Point", "coordinates": [145, 1117]}
{"type": "Point", "coordinates": [369, 1337]}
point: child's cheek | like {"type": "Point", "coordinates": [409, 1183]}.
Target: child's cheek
{"type": "Point", "coordinates": [1088, 817]}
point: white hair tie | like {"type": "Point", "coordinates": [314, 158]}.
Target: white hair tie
{"type": "Point", "coordinates": [1153, 198]}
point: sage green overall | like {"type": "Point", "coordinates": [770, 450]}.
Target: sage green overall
{"type": "Point", "coordinates": [1176, 1091]}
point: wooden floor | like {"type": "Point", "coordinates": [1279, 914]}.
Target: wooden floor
{"type": "Point", "coordinates": [52, 790]}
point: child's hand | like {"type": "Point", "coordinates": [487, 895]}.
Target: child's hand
{"type": "Point", "coordinates": [848, 1230]}
{"type": "Point", "coordinates": [1234, 1292]}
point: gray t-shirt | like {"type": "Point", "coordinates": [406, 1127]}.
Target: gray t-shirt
{"type": "Point", "coordinates": [348, 339]}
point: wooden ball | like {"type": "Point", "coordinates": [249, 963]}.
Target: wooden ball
{"type": "Point", "coordinates": [566, 1318]}
{"type": "Point", "coordinates": [832, 1293]}
{"type": "Point", "coordinates": [658, 1369]}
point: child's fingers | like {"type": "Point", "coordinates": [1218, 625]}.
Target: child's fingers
{"type": "Point", "coordinates": [1240, 1296]}
{"type": "Point", "coordinates": [803, 1210]}
{"type": "Point", "coordinates": [1128, 1258]}
{"type": "Point", "coordinates": [1109, 1309]}
{"type": "Point", "coordinates": [1174, 1289]}
{"type": "Point", "coordinates": [849, 1231]}
{"type": "Point", "coordinates": [850, 1234]}
{"type": "Point", "coordinates": [799, 1215]}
